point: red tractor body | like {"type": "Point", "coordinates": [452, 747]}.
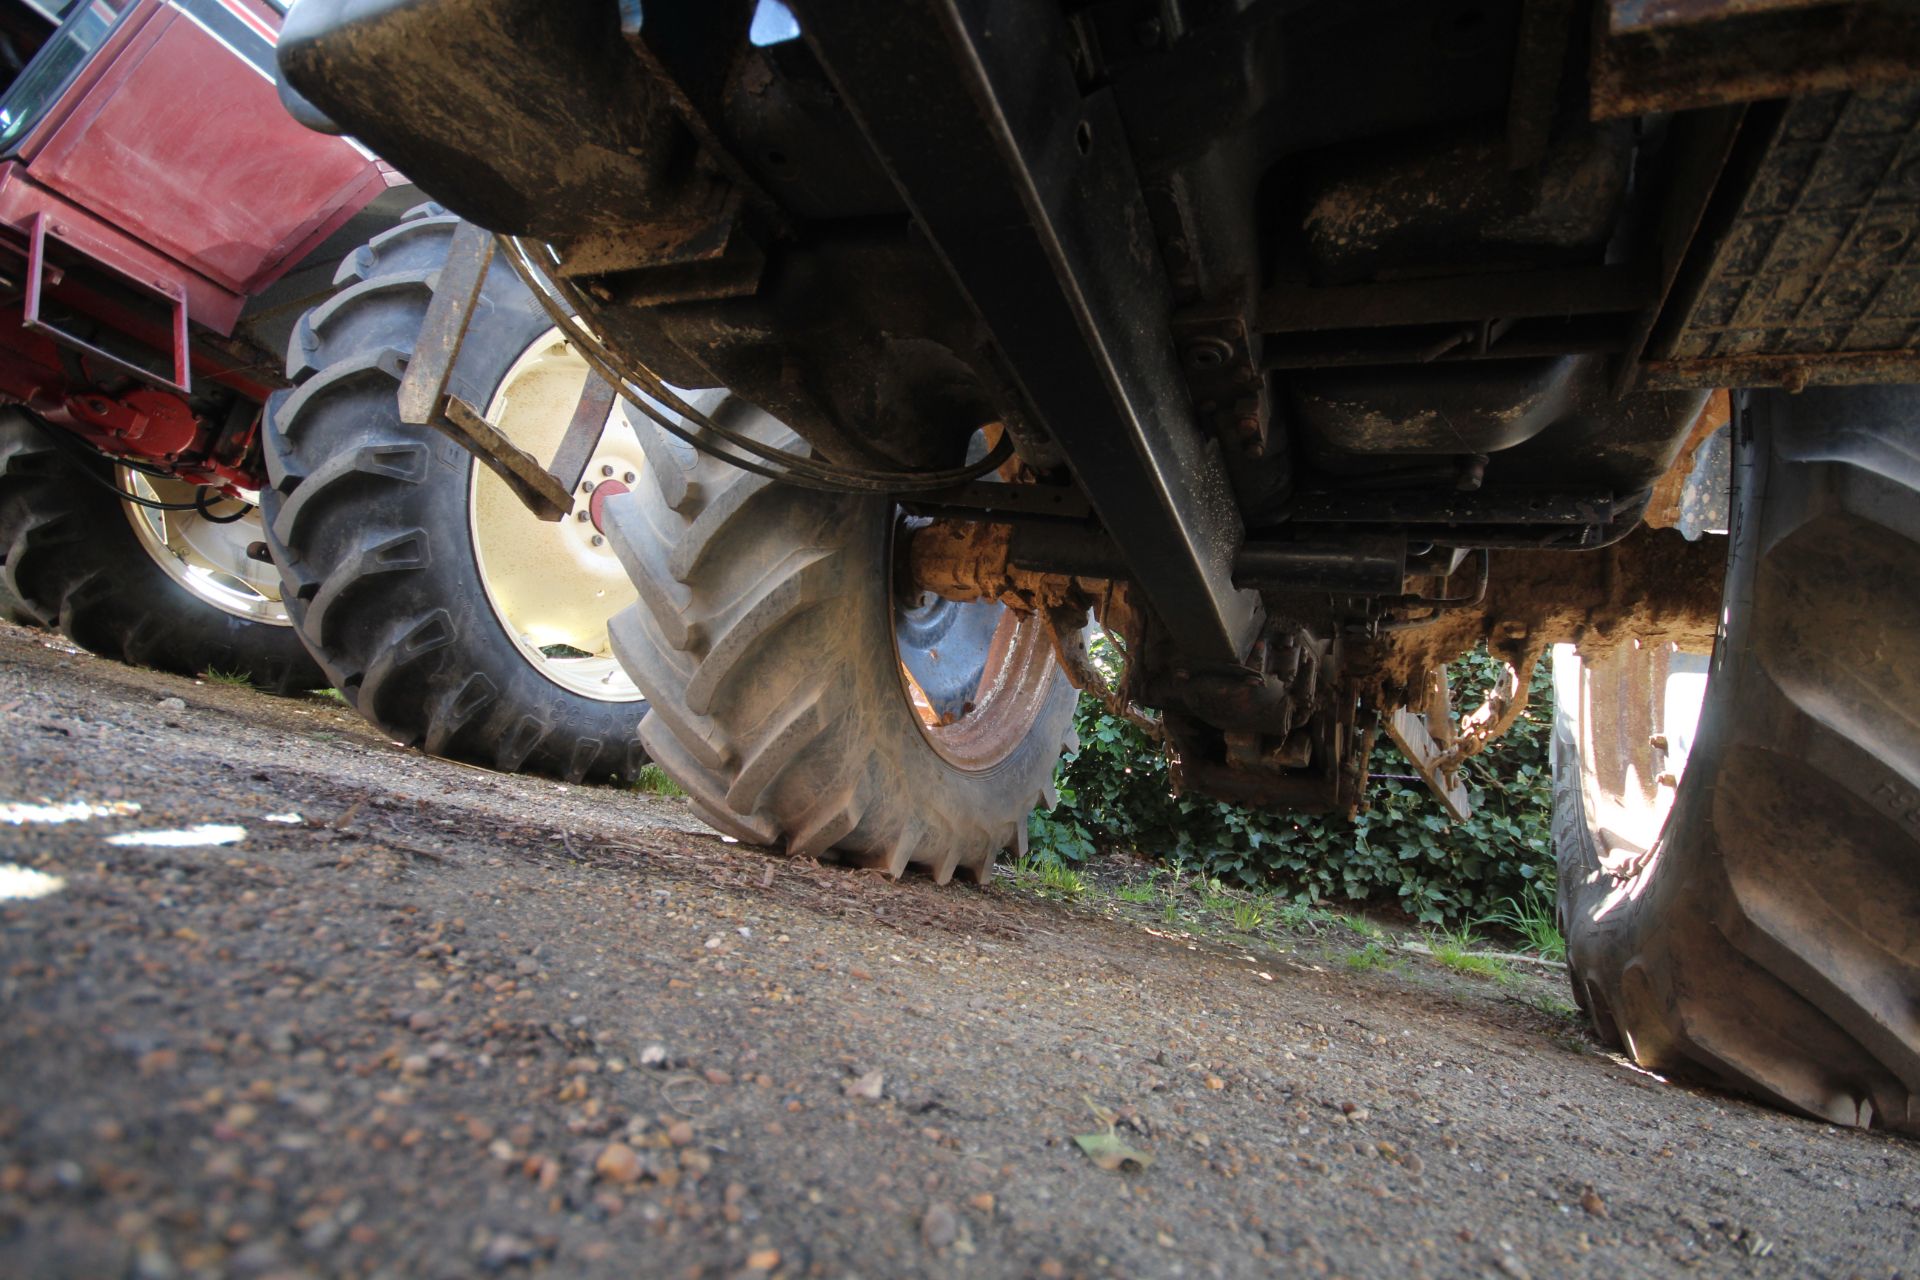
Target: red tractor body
{"type": "Point", "coordinates": [151, 187]}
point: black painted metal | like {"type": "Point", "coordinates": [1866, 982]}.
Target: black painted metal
{"type": "Point", "coordinates": [1358, 565]}
{"type": "Point", "coordinates": [1027, 190]}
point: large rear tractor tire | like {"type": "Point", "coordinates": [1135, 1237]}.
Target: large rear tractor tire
{"type": "Point", "coordinates": [1763, 936]}
{"type": "Point", "coordinates": [443, 610]}
{"type": "Point", "coordinates": [776, 661]}
{"type": "Point", "coordinates": [171, 590]}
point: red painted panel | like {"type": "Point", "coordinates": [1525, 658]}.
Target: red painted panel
{"type": "Point", "coordinates": [21, 199]}
{"type": "Point", "coordinates": [185, 146]}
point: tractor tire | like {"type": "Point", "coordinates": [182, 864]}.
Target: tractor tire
{"type": "Point", "coordinates": [394, 542]}
{"type": "Point", "coordinates": [13, 609]}
{"type": "Point", "coordinates": [72, 558]}
{"type": "Point", "coordinates": [765, 640]}
{"type": "Point", "coordinates": [1761, 938]}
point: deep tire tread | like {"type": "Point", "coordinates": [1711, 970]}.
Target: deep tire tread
{"type": "Point", "coordinates": [1770, 950]}
{"type": "Point", "coordinates": [762, 638]}
{"type": "Point", "coordinates": [369, 526]}
{"type": "Point", "coordinates": [69, 559]}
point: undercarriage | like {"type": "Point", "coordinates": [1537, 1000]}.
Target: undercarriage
{"type": "Point", "coordinates": [1303, 346]}
{"type": "Point", "coordinates": [1322, 335]}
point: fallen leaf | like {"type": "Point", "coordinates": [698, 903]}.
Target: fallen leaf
{"type": "Point", "coordinates": [1109, 1153]}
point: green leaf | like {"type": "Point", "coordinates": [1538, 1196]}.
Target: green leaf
{"type": "Point", "coordinates": [1109, 1153]}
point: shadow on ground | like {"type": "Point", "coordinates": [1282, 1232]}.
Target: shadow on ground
{"type": "Point", "coordinates": [446, 1022]}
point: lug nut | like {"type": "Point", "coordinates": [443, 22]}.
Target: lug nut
{"type": "Point", "coordinates": [628, 478]}
{"type": "Point", "coordinates": [586, 486]}
{"type": "Point", "coordinates": [607, 471]}
{"type": "Point", "coordinates": [581, 516]}
{"type": "Point", "coordinates": [598, 540]}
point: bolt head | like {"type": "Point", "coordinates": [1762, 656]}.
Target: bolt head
{"type": "Point", "coordinates": [598, 540]}
{"type": "Point", "coordinates": [628, 478]}
{"type": "Point", "coordinates": [586, 486]}
{"type": "Point", "coordinates": [607, 471]}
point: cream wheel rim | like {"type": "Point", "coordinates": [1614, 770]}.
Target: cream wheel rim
{"type": "Point", "coordinates": [207, 557]}
{"type": "Point", "coordinates": [555, 585]}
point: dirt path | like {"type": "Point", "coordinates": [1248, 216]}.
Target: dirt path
{"type": "Point", "coordinates": [449, 1023]}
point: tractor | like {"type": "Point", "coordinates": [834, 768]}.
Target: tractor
{"type": "Point", "coordinates": [167, 233]}
{"type": "Point", "coordinates": [1301, 345]}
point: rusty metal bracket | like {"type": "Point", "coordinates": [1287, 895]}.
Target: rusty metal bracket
{"type": "Point", "coordinates": [532, 483]}
{"type": "Point", "coordinates": [437, 345]}
{"type": "Point", "coordinates": [1427, 742]}
{"type": "Point", "coordinates": [424, 399]}
{"type": "Point", "coordinates": [583, 432]}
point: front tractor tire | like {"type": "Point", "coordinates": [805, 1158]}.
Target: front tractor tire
{"type": "Point", "coordinates": [170, 590]}
{"type": "Point", "coordinates": [442, 610]}
{"type": "Point", "coordinates": [774, 658]}
{"type": "Point", "coordinates": [1756, 927]}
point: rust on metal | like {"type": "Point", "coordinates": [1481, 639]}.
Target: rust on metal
{"type": "Point", "coordinates": [532, 483]}
{"type": "Point", "coordinates": [583, 432]}
{"type": "Point", "coordinates": [1791, 371]}
{"type": "Point", "coordinates": [455, 291]}
{"type": "Point", "coordinates": [1652, 585]}
{"type": "Point", "coordinates": [1415, 739]}
{"type": "Point", "coordinates": [972, 560]}
{"type": "Point", "coordinates": [1681, 55]}
{"type": "Point", "coordinates": [1663, 508]}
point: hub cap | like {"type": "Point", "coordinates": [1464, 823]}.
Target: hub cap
{"type": "Point", "coordinates": [207, 557]}
{"type": "Point", "coordinates": [554, 585]}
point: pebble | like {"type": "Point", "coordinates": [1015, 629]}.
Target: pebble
{"type": "Point", "coordinates": [618, 1162]}
{"type": "Point", "coordinates": [653, 1056]}
{"type": "Point", "coordinates": [680, 1133]}
{"type": "Point", "coordinates": [1590, 1201]}
{"type": "Point", "coordinates": [866, 1086]}
{"type": "Point", "coordinates": [939, 1226]}
{"type": "Point", "coordinates": [173, 704]}
{"type": "Point", "coordinates": [763, 1259]}
{"type": "Point", "coordinates": [505, 1250]}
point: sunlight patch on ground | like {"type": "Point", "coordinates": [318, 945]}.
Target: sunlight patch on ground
{"type": "Point", "coordinates": [17, 882]}
{"type": "Point", "coordinates": [205, 833]}
{"type": "Point", "coordinates": [21, 813]}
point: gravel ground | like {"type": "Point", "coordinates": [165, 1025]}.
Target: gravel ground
{"type": "Point", "coordinates": [448, 1023]}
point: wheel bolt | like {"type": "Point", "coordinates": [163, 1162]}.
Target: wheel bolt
{"type": "Point", "coordinates": [581, 516]}
{"type": "Point", "coordinates": [628, 478]}
{"type": "Point", "coordinates": [598, 540]}
{"type": "Point", "coordinates": [607, 471]}
{"type": "Point", "coordinates": [586, 486]}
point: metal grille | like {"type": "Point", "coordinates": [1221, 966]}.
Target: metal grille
{"type": "Point", "coordinates": [1818, 279]}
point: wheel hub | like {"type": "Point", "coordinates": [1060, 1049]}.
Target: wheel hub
{"type": "Point", "coordinates": [555, 584]}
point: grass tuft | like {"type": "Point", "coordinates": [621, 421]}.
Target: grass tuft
{"type": "Point", "coordinates": [653, 780]}
{"type": "Point", "coordinates": [1531, 915]}
{"type": "Point", "coordinates": [1456, 951]}
{"type": "Point", "coordinates": [1371, 956]}
{"type": "Point", "coordinates": [237, 679]}
{"type": "Point", "coordinates": [1249, 915]}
